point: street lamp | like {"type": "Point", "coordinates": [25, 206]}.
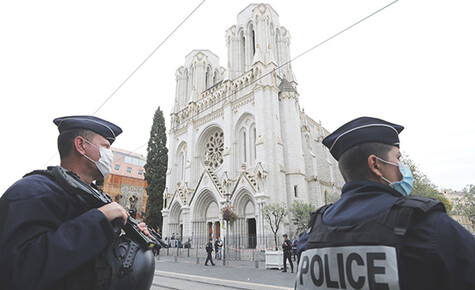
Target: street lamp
{"type": "Point", "coordinates": [227, 195]}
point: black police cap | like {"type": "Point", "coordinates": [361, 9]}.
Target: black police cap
{"type": "Point", "coordinates": [359, 131]}
{"type": "Point", "coordinates": [102, 127]}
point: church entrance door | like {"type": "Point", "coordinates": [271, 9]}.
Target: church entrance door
{"type": "Point", "coordinates": [252, 237]}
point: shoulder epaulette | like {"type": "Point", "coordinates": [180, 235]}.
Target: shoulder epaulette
{"type": "Point", "coordinates": [424, 204]}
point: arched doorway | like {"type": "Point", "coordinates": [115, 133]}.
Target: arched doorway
{"type": "Point", "coordinates": [245, 228]}
{"type": "Point", "coordinates": [205, 218]}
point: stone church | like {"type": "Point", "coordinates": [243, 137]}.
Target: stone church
{"type": "Point", "coordinates": [238, 137]}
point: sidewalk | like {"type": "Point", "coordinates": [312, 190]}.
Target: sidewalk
{"type": "Point", "coordinates": [242, 271]}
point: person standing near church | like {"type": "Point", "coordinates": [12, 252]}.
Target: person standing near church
{"type": "Point", "coordinates": [218, 244]}
{"type": "Point", "coordinates": [294, 248]}
{"type": "Point", "coordinates": [209, 250]}
{"type": "Point", "coordinates": [50, 238]}
{"type": "Point", "coordinates": [287, 247]}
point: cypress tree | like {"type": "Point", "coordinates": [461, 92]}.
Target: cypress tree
{"type": "Point", "coordinates": [155, 170]}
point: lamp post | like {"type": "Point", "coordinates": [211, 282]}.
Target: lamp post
{"type": "Point", "coordinates": [227, 195]}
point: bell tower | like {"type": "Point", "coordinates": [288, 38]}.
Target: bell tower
{"type": "Point", "coordinates": [258, 37]}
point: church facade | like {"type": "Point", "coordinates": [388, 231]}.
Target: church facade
{"type": "Point", "coordinates": [239, 138]}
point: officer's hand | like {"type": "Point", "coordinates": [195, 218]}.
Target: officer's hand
{"type": "Point", "coordinates": [114, 210]}
{"type": "Point", "coordinates": [143, 227]}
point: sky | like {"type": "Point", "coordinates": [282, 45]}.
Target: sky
{"type": "Point", "coordinates": [412, 63]}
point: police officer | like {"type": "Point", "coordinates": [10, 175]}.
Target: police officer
{"type": "Point", "coordinates": [209, 250]}
{"type": "Point", "coordinates": [376, 236]}
{"type": "Point", "coordinates": [287, 247]}
{"type": "Point", "coordinates": [47, 239]}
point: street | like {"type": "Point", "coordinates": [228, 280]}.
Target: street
{"type": "Point", "coordinates": [187, 274]}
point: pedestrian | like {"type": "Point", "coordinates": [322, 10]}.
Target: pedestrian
{"type": "Point", "coordinates": [209, 250]}
{"type": "Point", "coordinates": [50, 235]}
{"type": "Point", "coordinates": [217, 247]}
{"type": "Point", "coordinates": [376, 235]}
{"type": "Point", "coordinates": [294, 247]}
{"type": "Point", "coordinates": [287, 247]}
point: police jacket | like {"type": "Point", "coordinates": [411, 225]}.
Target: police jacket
{"type": "Point", "coordinates": [436, 251]}
{"type": "Point", "coordinates": [46, 240]}
{"type": "Point", "coordinates": [287, 246]}
{"type": "Point", "coordinates": [209, 247]}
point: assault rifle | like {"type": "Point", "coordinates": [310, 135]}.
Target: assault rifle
{"type": "Point", "coordinates": [92, 197]}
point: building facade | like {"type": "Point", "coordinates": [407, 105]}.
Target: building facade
{"type": "Point", "coordinates": [126, 183]}
{"type": "Point", "coordinates": [238, 136]}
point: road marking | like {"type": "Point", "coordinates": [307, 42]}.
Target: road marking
{"type": "Point", "coordinates": [221, 280]}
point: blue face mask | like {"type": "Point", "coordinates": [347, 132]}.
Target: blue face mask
{"type": "Point", "coordinates": [403, 186]}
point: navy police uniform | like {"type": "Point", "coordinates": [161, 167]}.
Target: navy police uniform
{"type": "Point", "coordinates": [48, 240]}
{"type": "Point", "coordinates": [287, 248]}
{"type": "Point", "coordinates": [432, 251]}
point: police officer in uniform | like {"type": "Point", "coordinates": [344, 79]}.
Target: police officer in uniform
{"type": "Point", "coordinates": [209, 250]}
{"type": "Point", "coordinates": [287, 248]}
{"type": "Point", "coordinates": [377, 236]}
{"type": "Point", "coordinates": [48, 240]}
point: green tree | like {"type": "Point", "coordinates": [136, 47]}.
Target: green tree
{"type": "Point", "coordinates": [301, 212]}
{"type": "Point", "coordinates": [466, 204]}
{"type": "Point", "coordinates": [423, 186]}
{"type": "Point", "coordinates": [275, 213]}
{"type": "Point", "coordinates": [155, 170]}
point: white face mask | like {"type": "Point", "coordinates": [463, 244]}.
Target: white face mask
{"type": "Point", "coordinates": [104, 164]}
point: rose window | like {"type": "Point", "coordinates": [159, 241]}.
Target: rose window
{"type": "Point", "coordinates": [214, 148]}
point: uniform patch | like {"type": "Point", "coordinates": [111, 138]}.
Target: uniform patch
{"type": "Point", "coordinates": [353, 267]}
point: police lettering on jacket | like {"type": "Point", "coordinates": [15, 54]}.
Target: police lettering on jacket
{"type": "Point", "coordinates": [351, 267]}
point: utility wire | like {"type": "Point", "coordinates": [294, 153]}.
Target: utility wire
{"type": "Point", "coordinates": [184, 20]}
{"type": "Point", "coordinates": [238, 90]}
{"type": "Point", "coordinates": [148, 57]}
{"type": "Point", "coordinates": [298, 56]}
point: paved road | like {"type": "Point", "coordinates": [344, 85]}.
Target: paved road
{"type": "Point", "coordinates": [187, 274]}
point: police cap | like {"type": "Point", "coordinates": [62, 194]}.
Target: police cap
{"type": "Point", "coordinates": [359, 131]}
{"type": "Point", "coordinates": [284, 235]}
{"type": "Point", "coordinates": [102, 127]}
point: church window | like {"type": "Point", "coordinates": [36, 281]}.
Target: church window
{"type": "Point", "coordinates": [208, 78]}
{"type": "Point", "coordinates": [252, 145]}
{"type": "Point", "coordinates": [242, 53]}
{"type": "Point", "coordinates": [253, 44]}
{"type": "Point", "coordinates": [214, 148]}
{"type": "Point", "coordinates": [182, 166]}
{"type": "Point", "coordinates": [295, 190]}
{"type": "Point", "coordinates": [215, 77]}
{"type": "Point", "coordinates": [244, 146]}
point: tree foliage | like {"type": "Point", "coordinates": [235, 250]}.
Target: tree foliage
{"type": "Point", "coordinates": [423, 186]}
{"type": "Point", "coordinates": [301, 212]}
{"type": "Point", "coordinates": [155, 170]}
{"type": "Point", "coordinates": [466, 204]}
{"type": "Point", "coordinates": [274, 214]}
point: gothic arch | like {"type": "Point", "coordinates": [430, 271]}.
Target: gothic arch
{"type": "Point", "coordinates": [206, 215]}
{"type": "Point", "coordinates": [245, 139]}
{"type": "Point", "coordinates": [181, 159]}
{"type": "Point", "coordinates": [202, 203]}
{"type": "Point", "coordinates": [245, 226]}
{"type": "Point", "coordinates": [244, 204]}
{"type": "Point", "coordinates": [187, 87]}
{"type": "Point", "coordinates": [175, 223]}
{"type": "Point", "coordinates": [175, 212]}
{"type": "Point", "coordinates": [242, 51]}
{"type": "Point", "coordinates": [208, 77]}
